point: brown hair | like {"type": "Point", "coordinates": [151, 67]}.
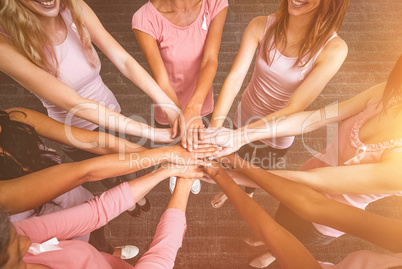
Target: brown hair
{"type": "Point", "coordinates": [28, 35]}
{"type": "Point", "coordinates": [328, 19]}
{"type": "Point", "coordinates": [393, 88]}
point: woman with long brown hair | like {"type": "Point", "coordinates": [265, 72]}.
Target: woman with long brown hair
{"type": "Point", "coordinates": [298, 52]}
{"type": "Point", "coordinates": [361, 165]}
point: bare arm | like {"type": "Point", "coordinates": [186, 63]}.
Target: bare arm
{"type": "Point", "coordinates": [281, 242]}
{"type": "Point", "coordinates": [126, 64]}
{"type": "Point", "coordinates": [56, 92]}
{"type": "Point", "coordinates": [294, 124]}
{"type": "Point", "coordinates": [27, 192]}
{"type": "Point", "coordinates": [190, 123]}
{"type": "Point", "coordinates": [95, 142]}
{"type": "Point", "coordinates": [313, 206]}
{"type": "Point", "coordinates": [251, 38]}
{"type": "Point", "coordinates": [382, 177]}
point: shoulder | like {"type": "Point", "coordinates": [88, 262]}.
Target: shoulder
{"type": "Point", "coordinates": [256, 27]}
{"type": "Point", "coordinates": [336, 48]}
{"type": "Point", "coordinates": [215, 6]}
{"type": "Point", "coordinates": [146, 20]}
{"type": "Point", "coordinates": [143, 12]}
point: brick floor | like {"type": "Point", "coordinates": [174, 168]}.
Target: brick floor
{"type": "Point", "coordinates": [373, 32]}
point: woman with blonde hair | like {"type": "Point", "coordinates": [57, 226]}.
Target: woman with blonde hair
{"type": "Point", "coordinates": [46, 47]}
{"type": "Point", "coordinates": [298, 52]}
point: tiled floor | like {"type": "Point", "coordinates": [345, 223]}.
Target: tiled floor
{"type": "Point", "coordinates": [373, 32]}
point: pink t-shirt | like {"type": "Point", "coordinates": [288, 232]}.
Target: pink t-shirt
{"type": "Point", "coordinates": [75, 71]}
{"type": "Point", "coordinates": [347, 149]}
{"type": "Point", "coordinates": [82, 219]}
{"type": "Point", "coordinates": [271, 87]}
{"type": "Point", "coordinates": [365, 259]}
{"type": "Point", "coordinates": [181, 49]}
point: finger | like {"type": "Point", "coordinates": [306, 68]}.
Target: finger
{"type": "Point", "coordinates": [189, 139]}
{"type": "Point", "coordinates": [212, 148]}
{"type": "Point", "coordinates": [183, 133]}
{"type": "Point", "coordinates": [201, 132]}
{"type": "Point", "coordinates": [207, 145]}
{"type": "Point", "coordinates": [195, 138]}
{"type": "Point", "coordinates": [220, 154]}
{"type": "Point", "coordinates": [175, 130]}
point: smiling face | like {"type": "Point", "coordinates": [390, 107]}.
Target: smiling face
{"type": "Point", "coordinates": [303, 7]}
{"type": "Point", "coordinates": [43, 8]}
{"type": "Point", "coordinates": [17, 248]}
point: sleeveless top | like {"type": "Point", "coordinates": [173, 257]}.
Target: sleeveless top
{"type": "Point", "coordinates": [75, 71]}
{"type": "Point", "coordinates": [181, 49]}
{"type": "Point", "coordinates": [271, 87]}
{"type": "Point", "coordinates": [347, 149]}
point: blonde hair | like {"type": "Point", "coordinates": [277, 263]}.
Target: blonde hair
{"type": "Point", "coordinates": [328, 19]}
{"type": "Point", "coordinates": [27, 34]}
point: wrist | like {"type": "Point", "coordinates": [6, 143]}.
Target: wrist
{"type": "Point", "coordinates": [194, 107]}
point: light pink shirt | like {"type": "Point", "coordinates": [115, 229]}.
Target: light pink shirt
{"type": "Point", "coordinates": [75, 71]}
{"type": "Point", "coordinates": [365, 259]}
{"type": "Point", "coordinates": [347, 149]}
{"type": "Point", "coordinates": [82, 219]}
{"type": "Point", "coordinates": [271, 87]}
{"type": "Point", "coordinates": [181, 49]}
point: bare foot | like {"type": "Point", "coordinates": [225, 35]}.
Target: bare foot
{"type": "Point", "coordinates": [219, 200]}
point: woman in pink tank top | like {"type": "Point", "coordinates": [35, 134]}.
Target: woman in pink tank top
{"type": "Point", "coordinates": [52, 56]}
{"type": "Point", "coordinates": [360, 166]}
{"type": "Point", "coordinates": [297, 51]}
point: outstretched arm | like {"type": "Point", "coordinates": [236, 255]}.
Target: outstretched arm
{"type": "Point", "coordinates": [315, 207]}
{"type": "Point", "coordinates": [27, 192]}
{"type": "Point", "coordinates": [251, 38]}
{"type": "Point", "coordinates": [281, 242]}
{"type": "Point", "coordinates": [170, 231]}
{"type": "Point", "coordinates": [126, 64]}
{"type": "Point", "coordinates": [190, 122]}
{"type": "Point", "coordinates": [91, 215]}
{"type": "Point", "coordinates": [294, 124]}
{"type": "Point", "coordinates": [95, 142]}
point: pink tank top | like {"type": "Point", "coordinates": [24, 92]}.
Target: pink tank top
{"type": "Point", "coordinates": [347, 149]}
{"type": "Point", "coordinates": [271, 87]}
{"type": "Point", "coordinates": [181, 49]}
{"type": "Point", "coordinates": [75, 71]}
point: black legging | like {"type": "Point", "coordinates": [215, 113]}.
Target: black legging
{"type": "Point", "coordinates": [261, 155]}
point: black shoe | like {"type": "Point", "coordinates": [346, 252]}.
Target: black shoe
{"type": "Point", "coordinates": [112, 182]}
{"type": "Point", "coordinates": [136, 212]}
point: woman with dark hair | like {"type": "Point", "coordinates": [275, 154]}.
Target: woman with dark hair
{"type": "Point", "coordinates": [19, 242]}
{"type": "Point", "coordinates": [31, 166]}
{"type": "Point", "coordinates": [360, 166]}
{"type": "Point", "coordinates": [297, 51]}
